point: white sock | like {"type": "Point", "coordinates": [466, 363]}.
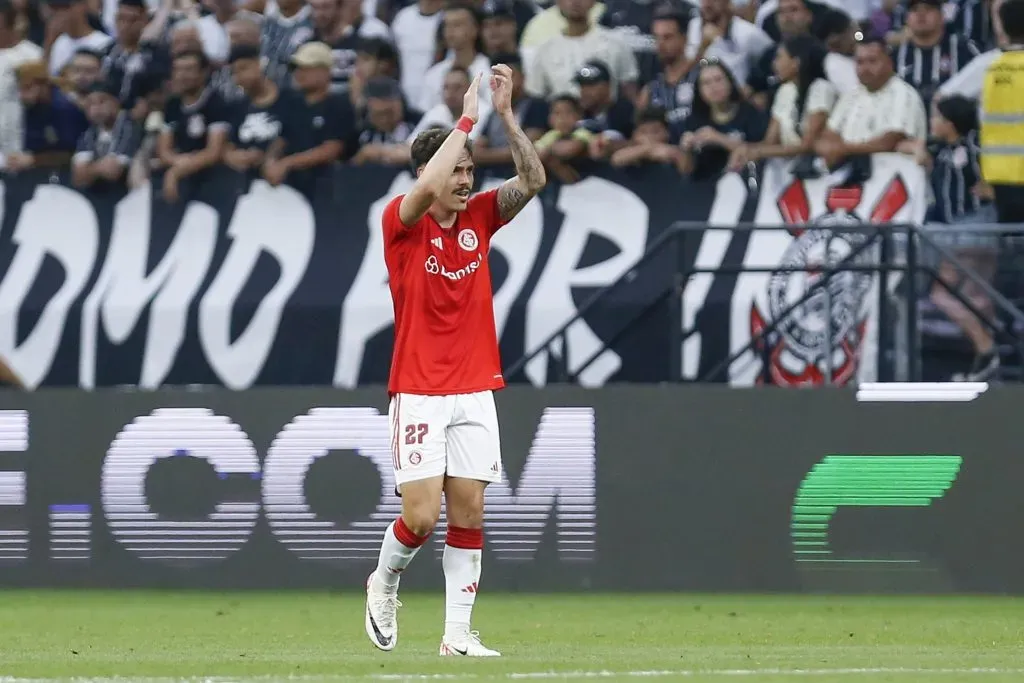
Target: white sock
{"type": "Point", "coordinates": [398, 548]}
{"type": "Point", "coordinates": [461, 563]}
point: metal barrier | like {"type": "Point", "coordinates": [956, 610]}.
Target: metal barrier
{"type": "Point", "coordinates": [898, 252]}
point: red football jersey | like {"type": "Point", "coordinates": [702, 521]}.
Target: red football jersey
{"type": "Point", "coordinates": [445, 340]}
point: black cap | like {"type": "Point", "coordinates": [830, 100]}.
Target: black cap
{"type": "Point", "coordinates": [493, 9]}
{"type": "Point", "coordinates": [243, 52]}
{"type": "Point", "coordinates": [593, 72]}
{"type": "Point", "coordinates": [382, 88]}
{"type": "Point", "coordinates": [379, 48]}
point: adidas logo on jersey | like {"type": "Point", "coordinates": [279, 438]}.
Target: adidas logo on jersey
{"type": "Point", "coordinates": [437, 242]}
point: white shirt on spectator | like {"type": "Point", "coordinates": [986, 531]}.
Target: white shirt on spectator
{"type": "Point", "coordinates": [969, 80]}
{"type": "Point", "coordinates": [738, 50]}
{"type": "Point", "coordinates": [821, 97]}
{"type": "Point", "coordinates": [442, 116]}
{"type": "Point", "coordinates": [416, 39]}
{"type": "Point", "coordinates": [432, 87]}
{"type": "Point", "coordinates": [65, 47]}
{"type": "Point", "coordinates": [841, 72]}
{"type": "Point", "coordinates": [894, 108]}
{"type": "Point", "coordinates": [555, 62]}
{"type": "Point", "coordinates": [10, 104]}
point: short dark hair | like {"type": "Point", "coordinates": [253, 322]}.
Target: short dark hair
{"type": "Point", "coordinates": [1011, 13]}
{"type": "Point", "coordinates": [426, 144]}
{"type": "Point", "coordinates": [567, 98]}
{"type": "Point", "coordinates": [868, 41]}
{"type": "Point", "coordinates": [197, 55]}
{"type": "Point", "coordinates": [456, 69]}
{"type": "Point", "coordinates": [456, 6]}
{"type": "Point", "coordinates": [834, 22]}
{"type": "Point", "coordinates": [652, 115]}
{"type": "Point", "coordinates": [682, 21]}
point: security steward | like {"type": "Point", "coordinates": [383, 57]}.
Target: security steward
{"type": "Point", "coordinates": [1002, 118]}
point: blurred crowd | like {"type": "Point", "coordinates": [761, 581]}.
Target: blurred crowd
{"type": "Point", "coordinates": [284, 89]}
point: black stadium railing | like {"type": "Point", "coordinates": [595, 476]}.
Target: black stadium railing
{"type": "Point", "coordinates": [901, 251]}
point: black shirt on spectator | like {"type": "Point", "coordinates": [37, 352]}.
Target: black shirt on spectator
{"type": "Point", "coordinates": [311, 125]}
{"type": "Point", "coordinates": [190, 123]}
{"type": "Point", "coordinates": [369, 135]}
{"type": "Point", "coordinates": [121, 142]}
{"type": "Point", "coordinates": [762, 76]}
{"type": "Point", "coordinates": [748, 125]}
{"type": "Point", "coordinates": [126, 68]}
{"type": "Point", "coordinates": [973, 21]}
{"type": "Point", "coordinates": [618, 120]}
{"type": "Point", "coordinates": [55, 126]}
{"type": "Point", "coordinates": [956, 169]}
{"type": "Point", "coordinates": [631, 22]}
{"type": "Point", "coordinates": [675, 98]}
{"type": "Point", "coordinates": [928, 68]}
{"type": "Point", "coordinates": [256, 126]}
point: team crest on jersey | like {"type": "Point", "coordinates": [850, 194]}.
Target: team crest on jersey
{"type": "Point", "coordinates": [468, 240]}
{"type": "Point", "coordinates": [415, 458]}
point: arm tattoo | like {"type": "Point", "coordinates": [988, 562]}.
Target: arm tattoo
{"type": "Point", "coordinates": [529, 180]}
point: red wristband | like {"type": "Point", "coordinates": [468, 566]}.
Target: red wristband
{"type": "Point", "coordinates": [465, 124]}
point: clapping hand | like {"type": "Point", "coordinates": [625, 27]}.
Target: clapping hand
{"type": "Point", "coordinates": [501, 88]}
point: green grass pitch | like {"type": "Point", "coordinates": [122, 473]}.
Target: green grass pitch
{"type": "Point", "coordinates": [176, 636]}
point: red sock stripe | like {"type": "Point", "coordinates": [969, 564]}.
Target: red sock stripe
{"type": "Point", "coordinates": [406, 537]}
{"type": "Point", "coordinates": [467, 539]}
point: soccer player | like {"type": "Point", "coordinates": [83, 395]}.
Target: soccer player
{"type": "Point", "coordinates": [445, 366]}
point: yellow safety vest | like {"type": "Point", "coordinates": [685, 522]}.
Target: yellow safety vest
{"type": "Point", "coordinates": [1002, 120]}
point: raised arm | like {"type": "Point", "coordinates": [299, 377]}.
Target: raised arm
{"type": "Point", "coordinates": [530, 178]}
{"type": "Point", "coordinates": [436, 172]}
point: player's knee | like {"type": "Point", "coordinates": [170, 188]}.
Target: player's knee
{"type": "Point", "coordinates": [421, 518]}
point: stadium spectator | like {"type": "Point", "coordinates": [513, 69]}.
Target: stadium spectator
{"type": "Point", "coordinates": [721, 121]}
{"type": "Point", "coordinates": [415, 29]}
{"type": "Point", "coordinates": [929, 54]}
{"type": "Point", "coordinates": [318, 128]}
{"type": "Point", "coordinates": [609, 118]}
{"type": "Point", "coordinates": [802, 104]}
{"type": "Point", "coordinates": [549, 23]}
{"type": "Point", "coordinates": [491, 146]}
{"type": "Point", "coordinates": [128, 58]}
{"type": "Point", "coordinates": [444, 115]}
{"type": "Point", "coordinates": [968, 81]}
{"type": "Point", "coordinates": [196, 124]}
{"type": "Point", "coordinates": [287, 26]}
{"type": "Point", "coordinates": [975, 20]}
{"type": "Point", "coordinates": [461, 31]}
{"type": "Point", "coordinates": [340, 24]}
{"type": "Point", "coordinates": [261, 115]}
{"type": "Point", "coordinates": [213, 29]}
{"type": "Point", "coordinates": [386, 127]}
{"type": "Point", "coordinates": [499, 29]}
{"type": "Point", "coordinates": [962, 199]}
{"type": "Point", "coordinates": [650, 143]}
{"type": "Point", "coordinates": [70, 22]}
{"type": "Point", "coordinates": [52, 123]}
{"type": "Point", "coordinates": [840, 36]}
{"type": "Point", "coordinates": [564, 146]}
{"type": "Point", "coordinates": [878, 116]}
{"type": "Point", "coordinates": [243, 31]}
{"type": "Point", "coordinates": [184, 37]}
{"type": "Point", "coordinates": [555, 62]}
{"type": "Point", "coordinates": [672, 88]}
{"type": "Point", "coordinates": [716, 32]}
{"type": "Point", "coordinates": [375, 58]}
{"type": "Point", "coordinates": [104, 152]}
{"type": "Point", "coordinates": [632, 22]}
{"type": "Point", "coordinates": [82, 72]}
{"type": "Point", "coordinates": [14, 51]}
{"type": "Point", "coordinates": [793, 19]}
{"type": "Point", "coordinates": [770, 17]}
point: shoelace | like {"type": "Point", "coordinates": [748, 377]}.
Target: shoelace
{"type": "Point", "coordinates": [387, 607]}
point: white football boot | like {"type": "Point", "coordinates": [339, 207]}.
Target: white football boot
{"type": "Point", "coordinates": [382, 615]}
{"type": "Point", "coordinates": [466, 646]}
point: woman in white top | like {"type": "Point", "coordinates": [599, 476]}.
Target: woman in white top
{"type": "Point", "coordinates": [802, 103]}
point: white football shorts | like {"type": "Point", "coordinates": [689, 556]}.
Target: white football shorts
{"type": "Point", "coordinates": [455, 435]}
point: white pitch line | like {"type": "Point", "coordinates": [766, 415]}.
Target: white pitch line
{"type": "Point", "coordinates": [547, 675]}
